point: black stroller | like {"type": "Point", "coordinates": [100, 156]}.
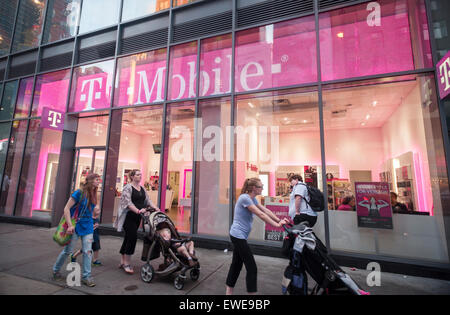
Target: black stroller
{"type": "Point", "coordinates": [154, 245]}
{"type": "Point", "coordinates": [308, 254]}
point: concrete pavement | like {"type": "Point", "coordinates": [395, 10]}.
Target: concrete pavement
{"type": "Point", "coordinates": [27, 254]}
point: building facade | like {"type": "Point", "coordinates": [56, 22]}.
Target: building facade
{"type": "Point", "coordinates": [200, 95]}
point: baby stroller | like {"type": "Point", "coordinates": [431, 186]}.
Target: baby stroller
{"type": "Point", "coordinates": [307, 253]}
{"type": "Point", "coordinates": [154, 245]}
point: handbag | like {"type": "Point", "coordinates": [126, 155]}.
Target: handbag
{"type": "Point", "coordinates": [61, 236]}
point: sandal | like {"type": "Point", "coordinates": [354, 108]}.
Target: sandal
{"type": "Point", "coordinates": [128, 269]}
{"type": "Point", "coordinates": [121, 266]}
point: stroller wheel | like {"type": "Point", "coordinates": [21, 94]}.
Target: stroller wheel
{"type": "Point", "coordinates": [179, 283]}
{"type": "Point", "coordinates": [195, 274]}
{"type": "Point", "coordinates": [330, 276]}
{"type": "Point", "coordinates": [147, 273]}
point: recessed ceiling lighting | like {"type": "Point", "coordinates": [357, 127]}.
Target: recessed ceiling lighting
{"type": "Point", "coordinates": [251, 105]}
{"type": "Point", "coordinates": [257, 114]}
{"type": "Point", "coordinates": [367, 117]}
{"type": "Point", "coordinates": [374, 103]}
{"type": "Point", "coordinates": [305, 121]}
{"type": "Point", "coordinates": [340, 35]}
{"type": "Point", "coordinates": [363, 124]}
{"type": "Point", "coordinates": [285, 118]}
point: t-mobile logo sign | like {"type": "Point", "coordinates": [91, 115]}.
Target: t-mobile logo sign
{"type": "Point", "coordinates": [443, 71]}
{"type": "Point", "coordinates": [52, 119]}
{"type": "Point", "coordinates": [90, 94]}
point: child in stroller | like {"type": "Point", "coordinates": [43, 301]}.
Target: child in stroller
{"type": "Point", "coordinates": [161, 237]}
{"type": "Point", "coordinates": [184, 248]}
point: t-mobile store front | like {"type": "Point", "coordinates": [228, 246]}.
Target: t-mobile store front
{"type": "Point", "coordinates": [355, 114]}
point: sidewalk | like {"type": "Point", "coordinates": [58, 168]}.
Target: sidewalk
{"type": "Point", "coordinates": [27, 254]}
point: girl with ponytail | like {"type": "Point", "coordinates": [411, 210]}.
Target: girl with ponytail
{"type": "Point", "coordinates": [246, 207]}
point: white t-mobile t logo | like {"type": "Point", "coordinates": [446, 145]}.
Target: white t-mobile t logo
{"type": "Point", "coordinates": [54, 118]}
{"type": "Point", "coordinates": [90, 94]}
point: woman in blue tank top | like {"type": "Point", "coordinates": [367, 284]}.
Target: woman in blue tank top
{"type": "Point", "coordinates": [246, 207]}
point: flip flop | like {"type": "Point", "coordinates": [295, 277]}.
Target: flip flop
{"type": "Point", "coordinates": [130, 270]}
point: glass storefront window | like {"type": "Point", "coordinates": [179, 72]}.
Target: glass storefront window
{"type": "Point", "coordinates": [212, 198]}
{"type": "Point", "coordinates": [277, 134]}
{"type": "Point", "coordinates": [385, 141]}
{"type": "Point", "coordinates": [39, 168]}
{"type": "Point", "coordinates": [177, 3]}
{"type": "Point", "coordinates": [7, 16]}
{"type": "Point", "coordinates": [29, 24]}
{"type": "Point", "coordinates": [8, 100]}
{"type": "Point", "coordinates": [62, 19]}
{"type": "Point", "coordinates": [4, 140]}
{"type": "Point", "coordinates": [390, 36]}
{"type": "Point", "coordinates": [276, 55]}
{"type": "Point", "coordinates": [12, 167]}
{"type": "Point", "coordinates": [24, 98]}
{"type": "Point", "coordinates": [51, 91]}
{"type": "Point", "coordinates": [215, 65]}
{"type": "Point", "coordinates": [133, 9]}
{"type": "Point", "coordinates": [140, 78]}
{"type": "Point", "coordinates": [178, 164]}
{"type": "Point", "coordinates": [92, 131]}
{"type": "Point", "coordinates": [96, 14]}
{"type": "Point", "coordinates": [136, 136]}
{"type": "Point", "coordinates": [182, 71]}
{"type": "Point", "coordinates": [91, 86]}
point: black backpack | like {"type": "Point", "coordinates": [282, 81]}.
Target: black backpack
{"type": "Point", "coordinates": [316, 198]}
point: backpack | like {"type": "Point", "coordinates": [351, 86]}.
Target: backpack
{"type": "Point", "coordinates": [316, 198]}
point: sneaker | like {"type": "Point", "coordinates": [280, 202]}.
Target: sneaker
{"type": "Point", "coordinates": [191, 263]}
{"type": "Point", "coordinates": [88, 282]}
{"type": "Point", "coordinates": [73, 259]}
{"type": "Point", "coordinates": [57, 276]}
{"type": "Point", "coordinates": [97, 263]}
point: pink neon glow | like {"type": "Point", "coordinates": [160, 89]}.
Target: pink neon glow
{"type": "Point", "coordinates": [184, 181]}
{"type": "Point", "coordinates": [52, 95]}
{"type": "Point", "coordinates": [421, 195]}
{"type": "Point", "coordinates": [361, 49]}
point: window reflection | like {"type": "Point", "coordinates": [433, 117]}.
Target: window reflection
{"type": "Point", "coordinates": [133, 9]}
{"type": "Point", "coordinates": [97, 14]}
{"type": "Point", "coordinates": [29, 24]}
{"type": "Point", "coordinates": [62, 19]}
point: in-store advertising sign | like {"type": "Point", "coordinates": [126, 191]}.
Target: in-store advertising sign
{"type": "Point", "coordinates": [52, 119]}
{"type": "Point", "coordinates": [373, 206]}
{"type": "Point", "coordinates": [443, 72]}
{"type": "Point", "coordinates": [276, 233]}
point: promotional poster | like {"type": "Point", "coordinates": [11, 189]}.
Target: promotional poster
{"type": "Point", "coordinates": [373, 205]}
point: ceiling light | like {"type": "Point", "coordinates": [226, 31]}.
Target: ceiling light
{"type": "Point", "coordinates": [285, 118]}
{"type": "Point", "coordinates": [305, 121]}
{"type": "Point", "coordinates": [257, 114]}
{"type": "Point", "coordinates": [251, 105]}
{"type": "Point", "coordinates": [363, 124]}
{"type": "Point", "coordinates": [374, 103]}
{"type": "Point", "coordinates": [340, 35]}
{"type": "Point", "coordinates": [367, 117]}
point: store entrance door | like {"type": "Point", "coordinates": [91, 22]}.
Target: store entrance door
{"type": "Point", "coordinates": [88, 160]}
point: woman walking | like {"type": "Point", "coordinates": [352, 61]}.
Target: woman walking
{"type": "Point", "coordinates": [245, 208]}
{"type": "Point", "coordinates": [85, 200]}
{"type": "Point", "coordinates": [133, 203]}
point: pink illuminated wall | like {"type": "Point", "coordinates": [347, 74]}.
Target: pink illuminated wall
{"type": "Point", "coordinates": [51, 91]}
{"type": "Point", "coordinates": [350, 46]}
{"type": "Point", "coordinates": [276, 55]}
